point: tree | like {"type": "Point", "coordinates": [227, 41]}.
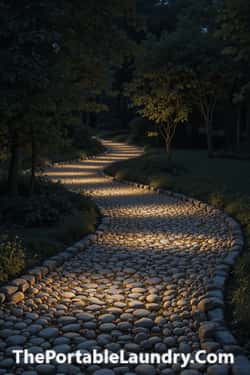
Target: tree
{"type": "Point", "coordinates": [60, 51]}
{"type": "Point", "coordinates": [193, 50]}
{"type": "Point", "coordinates": [234, 30]}
{"type": "Point", "coordinates": [159, 97]}
{"type": "Point", "coordinates": [28, 38]}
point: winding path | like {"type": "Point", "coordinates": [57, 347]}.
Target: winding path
{"type": "Point", "coordinates": [145, 283]}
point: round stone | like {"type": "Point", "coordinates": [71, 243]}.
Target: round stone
{"type": "Point", "coordinates": [107, 318]}
{"type": "Point", "coordinates": [218, 370]}
{"type": "Point", "coordinates": [145, 370]}
{"type": "Point", "coordinates": [47, 333]}
{"type": "Point", "coordinates": [107, 327]}
{"type": "Point", "coordinates": [45, 369]}
{"type": "Point", "coordinates": [144, 322]}
{"type": "Point", "coordinates": [16, 340]}
{"type": "Point", "coordinates": [104, 372]}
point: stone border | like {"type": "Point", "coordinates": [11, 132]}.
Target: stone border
{"type": "Point", "coordinates": [14, 291]}
{"type": "Point", "coordinates": [210, 310]}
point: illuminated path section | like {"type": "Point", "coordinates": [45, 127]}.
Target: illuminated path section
{"type": "Point", "coordinates": [140, 285]}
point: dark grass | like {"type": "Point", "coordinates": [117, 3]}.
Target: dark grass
{"type": "Point", "coordinates": [45, 222]}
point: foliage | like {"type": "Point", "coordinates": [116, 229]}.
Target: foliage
{"type": "Point", "coordinates": [12, 257]}
{"type": "Point", "coordinates": [182, 70]}
{"type": "Point", "coordinates": [117, 135]}
{"type": "Point", "coordinates": [234, 28]}
{"type": "Point", "coordinates": [79, 143]}
{"type": "Point", "coordinates": [53, 64]}
{"type": "Point", "coordinates": [73, 228]}
{"type": "Point", "coordinates": [83, 139]}
{"type": "Point", "coordinates": [38, 248]}
{"type": "Point", "coordinates": [139, 129]}
{"type": "Point", "coordinates": [159, 97]}
{"type": "Point", "coordinates": [47, 221]}
{"type": "Point", "coordinates": [48, 205]}
{"type": "Point", "coordinates": [241, 298]}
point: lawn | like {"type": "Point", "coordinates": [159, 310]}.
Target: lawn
{"type": "Point", "coordinates": [224, 183]}
{"type": "Point", "coordinates": [204, 174]}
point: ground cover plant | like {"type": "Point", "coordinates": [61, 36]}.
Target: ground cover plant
{"type": "Point", "coordinates": [37, 226]}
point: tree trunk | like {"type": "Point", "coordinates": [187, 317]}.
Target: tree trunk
{"type": "Point", "coordinates": [33, 164]}
{"type": "Point", "coordinates": [14, 169]}
{"type": "Point", "coordinates": [168, 150]}
{"type": "Point", "coordinates": [88, 119]}
{"type": "Point", "coordinates": [248, 125]}
{"type": "Point", "coordinates": [209, 137]}
{"type": "Point", "coordinates": [228, 131]}
{"type": "Point", "coordinates": [81, 119]}
{"type": "Point", "coordinates": [238, 126]}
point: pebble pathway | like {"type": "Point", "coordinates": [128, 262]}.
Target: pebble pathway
{"type": "Point", "coordinates": [144, 284]}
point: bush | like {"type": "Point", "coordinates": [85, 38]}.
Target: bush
{"type": "Point", "coordinates": [162, 180]}
{"type": "Point", "coordinates": [118, 135]}
{"type": "Point", "coordinates": [45, 207]}
{"type": "Point", "coordinates": [36, 211]}
{"type": "Point", "coordinates": [79, 143]}
{"type": "Point", "coordinates": [12, 257]}
{"type": "Point", "coordinates": [75, 227]}
{"type": "Point", "coordinates": [84, 140]}
{"type": "Point", "coordinates": [49, 204]}
{"type": "Point", "coordinates": [139, 128]}
{"type": "Point", "coordinates": [217, 200]}
{"type": "Point", "coordinates": [38, 249]}
{"type": "Point", "coordinates": [238, 204]}
{"type": "Point", "coordinates": [240, 297]}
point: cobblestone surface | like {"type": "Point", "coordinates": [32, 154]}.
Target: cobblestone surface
{"type": "Point", "coordinates": [151, 280]}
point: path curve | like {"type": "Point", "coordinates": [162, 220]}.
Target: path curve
{"type": "Point", "coordinates": [151, 280]}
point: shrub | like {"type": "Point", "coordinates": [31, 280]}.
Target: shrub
{"type": "Point", "coordinates": [76, 226]}
{"type": "Point", "coordinates": [241, 295]}
{"type": "Point", "coordinates": [12, 257]}
{"type": "Point", "coordinates": [238, 204]}
{"type": "Point", "coordinates": [139, 128]}
{"type": "Point", "coordinates": [160, 181]}
{"type": "Point", "coordinates": [121, 175]}
{"type": "Point", "coordinates": [217, 199]}
{"type": "Point", "coordinates": [84, 140]}
{"type": "Point", "coordinates": [117, 135]}
{"type": "Point", "coordinates": [41, 248]}
{"type": "Point", "coordinates": [40, 209]}
{"type": "Point", "coordinates": [79, 144]}
{"type": "Point", "coordinates": [47, 206]}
